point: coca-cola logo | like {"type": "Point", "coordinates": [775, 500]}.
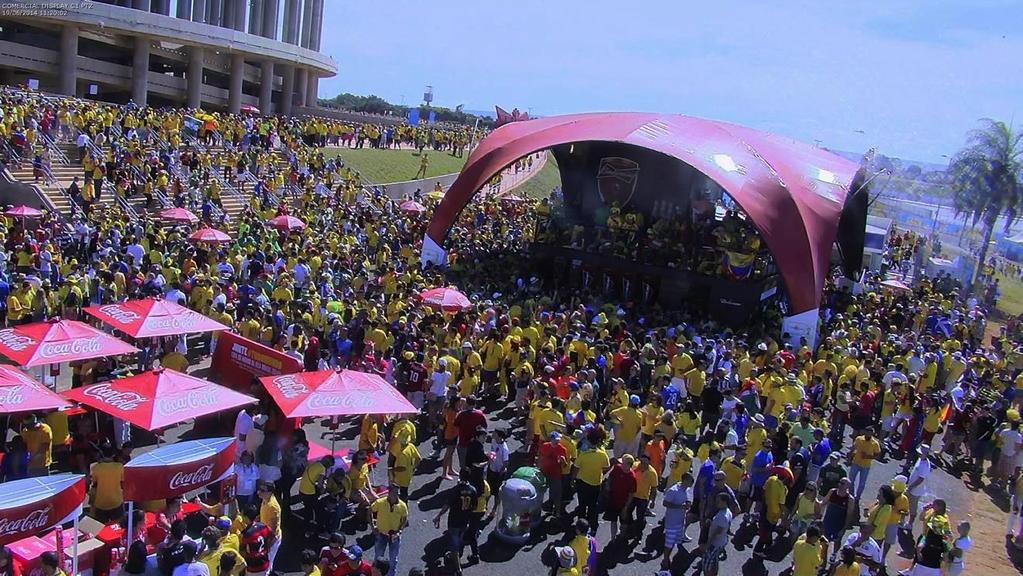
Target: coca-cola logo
{"type": "Point", "coordinates": [167, 322]}
{"type": "Point", "coordinates": [191, 400]}
{"type": "Point", "coordinates": [77, 346]}
{"type": "Point", "coordinates": [34, 521]}
{"type": "Point", "coordinates": [123, 400]}
{"type": "Point", "coordinates": [12, 395]}
{"type": "Point", "coordinates": [119, 314]}
{"type": "Point", "coordinates": [357, 401]}
{"type": "Point", "coordinates": [15, 341]}
{"type": "Point", "coordinates": [198, 477]}
{"type": "Point", "coordinates": [290, 387]}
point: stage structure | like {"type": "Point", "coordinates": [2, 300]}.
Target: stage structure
{"type": "Point", "coordinates": [672, 207]}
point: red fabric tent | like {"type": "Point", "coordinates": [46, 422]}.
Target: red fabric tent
{"type": "Point", "coordinates": [286, 223]}
{"type": "Point", "coordinates": [27, 507]}
{"type": "Point", "coordinates": [58, 341]}
{"type": "Point", "coordinates": [793, 192]}
{"type": "Point", "coordinates": [158, 398]}
{"type": "Point", "coordinates": [178, 468]}
{"type": "Point", "coordinates": [151, 317]}
{"type": "Point", "coordinates": [335, 393]}
{"type": "Point", "coordinates": [446, 299]}
{"type": "Point", "coordinates": [178, 215]}
{"type": "Point", "coordinates": [19, 392]}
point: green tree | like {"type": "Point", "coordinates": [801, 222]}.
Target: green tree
{"type": "Point", "coordinates": [985, 180]}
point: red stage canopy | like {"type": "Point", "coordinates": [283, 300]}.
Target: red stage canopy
{"type": "Point", "coordinates": [335, 393]}
{"type": "Point", "coordinates": [794, 193]}
{"type": "Point", "coordinates": [30, 506]}
{"type": "Point", "coordinates": [178, 468]}
{"type": "Point", "coordinates": [150, 317]}
{"type": "Point", "coordinates": [58, 341]}
{"type": "Point", "coordinates": [158, 398]}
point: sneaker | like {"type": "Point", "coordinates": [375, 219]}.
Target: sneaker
{"type": "Point", "coordinates": [685, 539]}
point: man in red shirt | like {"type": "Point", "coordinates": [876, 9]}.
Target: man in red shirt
{"type": "Point", "coordinates": [468, 421]}
{"type": "Point", "coordinates": [355, 566]}
{"type": "Point", "coordinates": [622, 480]}
{"type": "Point", "coordinates": [256, 543]}
{"type": "Point", "coordinates": [553, 456]}
{"type": "Point", "coordinates": [417, 382]}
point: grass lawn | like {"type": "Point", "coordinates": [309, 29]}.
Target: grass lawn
{"type": "Point", "coordinates": [541, 184]}
{"type": "Point", "coordinates": [1011, 302]}
{"type": "Point", "coordinates": [386, 166]}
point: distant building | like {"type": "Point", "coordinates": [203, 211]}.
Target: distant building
{"type": "Point", "coordinates": [217, 54]}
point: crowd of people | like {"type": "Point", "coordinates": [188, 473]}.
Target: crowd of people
{"type": "Point", "coordinates": [635, 417]}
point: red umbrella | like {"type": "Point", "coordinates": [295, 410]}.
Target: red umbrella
{"type": "Point", "coordinates": [287, 223]}
{"type": "Point", "coordinates": [158, 398]}
{"type": "Point", "coordinates": [58, 341]}
{"type": "Point", "coordinates": [335, 393]}
{"type": "Point", "coordinates": [209, 235]}
{"type": "Point", "coordinates": [151, 317]}
{"type": "Point", "coordinates": [446, 299]}
{"type": "Point", "coordinates": [19, 392]}
{"type": "Point", "coordinates": [178, 215]}
{"type": "Point", "coordinates": [27, 507]}
{"type": "Point", "coordinates": [512, 199]}
{"type": "Point", "coordinates": [24, 212]}
{"type": "Point", "coordinates": [249, 108]}
{"type": "Point", "coordinates": [412, 206]}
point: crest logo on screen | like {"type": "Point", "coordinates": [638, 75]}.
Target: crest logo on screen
{"type": "Point", "coordinates": [616, 180]}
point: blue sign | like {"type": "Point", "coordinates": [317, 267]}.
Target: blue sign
{"type": "Point", "coordinates": [413, 116]}
{"type": "Point", "coordinates": [433, 117]}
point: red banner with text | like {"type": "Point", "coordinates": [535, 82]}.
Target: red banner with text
{"type": "Point", "coordinates": [237, 360]}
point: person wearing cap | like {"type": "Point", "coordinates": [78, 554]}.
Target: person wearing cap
{"type": "Point", "coordinates": [354, 565]}
{"type": "Point", "coordinates": [38, 437]}
{"type": "Point", "coordinates": [916, 485]}
{"type": "Point", "coordinates": [553, 456]}
{"type": "Point", "coordinates": [589, 470]}
{"type": "Point", "coordinates": [627, 422]}
{"type": "Point", "coordinates": [566, 561]}
{"type": "Point", "coordinates": [899, 513]}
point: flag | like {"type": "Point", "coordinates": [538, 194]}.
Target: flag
{"type": "Point", "coordinates": [413, 116]}
{"type": "Point", "coordinates": [738, 265]}
{"type": "Point", "coordinates": [190, 128]}
{"type": "Point", "coordinates": [433, 117]}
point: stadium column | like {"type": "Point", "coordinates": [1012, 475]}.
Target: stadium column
{"type": "Point", "coordinates": [184, 9]}
{"type": "Point", "coordinates": [270, 19]}
{"type": "Point", "coordinates": [234, 98]}
{"type": "Point", "coordinates": [302, 85]}
{"type": "Point", "coordinates": [228, 19]}
{"type": "Point", "coordinates": [292, 14]}
{"type": "Point", "coordinates": [194, 79]}
{"type": "Point", "coordinates": [199, 11]}
{"type": "Point", "coordinates": [160, 7]}
{"type": "Point", "coordinates": [312, 88]}
{"type": "Point", "coordinates": [240, 8]}
{"type": "Point", "coordinates": [141, 5]}
{"type": "Point", "coordinates": [216, 13]}
{"type": "Point", "coordinates": [307, 23]}
{"type": "Point", "coordinates": [69, 59]}
{"type": "Point", "coordinates": [317, 27]}
{"type": "Point", "coordinates": [256, 18]}
{"type": "Point", "coordinates": [266, 86]}
{"type": "Point", "coordinates": [140, 71]}
{"type": "Point", "coordinates": [287, 89]}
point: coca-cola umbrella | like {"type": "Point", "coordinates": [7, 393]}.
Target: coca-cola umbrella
{"type": "Point", "coordinates": [209, 235]}
{"type": "Point", "coordinates": [151, 317]}
{"type": "Point", "coordinates": [32, 505]}
{"type": "Point", "coordinates": [335, 393]}
{"type": "Point", "coordinates": [176, 469]}
{"type": "Point", "coordinates": [412, 207]}
{"type": "Point", "coordinates": [179, 215]}
{"type": "Point", "coordinates": [158, 398]}
{"type": "Point", "coordinates": [56, 341]}
{"type": "Point", "coordinates": [446, 299]}
{"type": "Point", "coordinates": [24, 212]}
{"type": "Point", "coordinates": [286, 223]}
{"type": "Point", "coordinates": [19, 392]}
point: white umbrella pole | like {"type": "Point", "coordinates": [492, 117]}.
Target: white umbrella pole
{"type": "Point", "coordinates": [74, 550]}
{"type": "Point", "coordinates": [131, 517]}
{"type": "Point", "coordinates": [333, 433]}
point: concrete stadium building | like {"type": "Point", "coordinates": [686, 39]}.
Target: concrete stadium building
{"type": "Point", "coordinates": [217, 54]}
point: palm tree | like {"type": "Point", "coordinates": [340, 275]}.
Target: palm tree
{"type": "Point", "coordinates": [986, 180]}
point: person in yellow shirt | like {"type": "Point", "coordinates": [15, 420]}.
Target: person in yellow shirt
{"type": "Point", "coordinates": [310, 486]}
{"type": "Point", "coordinates": [900, 510]}
{"type": "Point", "coordinates": [270, 514]}
{"type": "Point", "coordinates": [627, 420]}
{"type": "Point", "coordinates": [38, 439]}
{"type": "Point", "coordinates": [403, 469]}
{"type": "Point", "coordinates": [847, 564]}
{"type": "Point", "coordinates": [589, 469]}
{"type": "Point", "coordinates": [809, 553]}
{"type": "Point", "coordinates": [107, 496]}
{"type": "Point", "coordinates": [175, 360]}
{"type": "Point", "coordinates": [646, 493]}
{"type": "Point", "coordinates": [864, 450]}
{"type": "Point", "coordinates": [776, 490]}
{"type": "Point", "coordinates": [390, 517]}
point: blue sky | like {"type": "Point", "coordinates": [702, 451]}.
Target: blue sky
{"type": "Point", "coordinates": [910, 77]}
